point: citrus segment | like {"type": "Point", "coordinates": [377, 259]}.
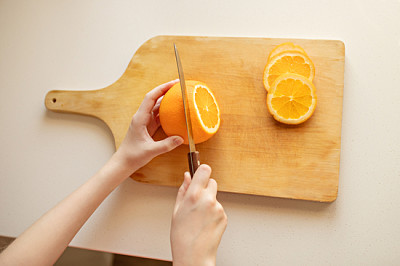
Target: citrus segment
{"type": "Point", "coordinates": [291, 99]}
{"type": "Point", "coordinates": [204, 112]}
{"type": "Point", "coordinates": [288, 62]}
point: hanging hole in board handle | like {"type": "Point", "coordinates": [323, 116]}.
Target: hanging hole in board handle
{"type": "Point", "coordinates": [54, 100]}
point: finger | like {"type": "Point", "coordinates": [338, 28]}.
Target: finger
{"type": "Point", "coordinates": [201, 177]}
{"type": "Point", "coordinates": [156, 108]}
{"type": "Point", "coordinates": [182, 190]}
{"type": "Point", "coordinates": [152, 96]}
{"type": "Point", "coordinates": [187, 179]}
{"type": "Point", "coordinates": [166, 145]}
{"type": "Point", "coordinates": [142, 119]}
{"type": "Point", "coordinates": [152, 121]}
{"type": "Point", "coordinates": [153, 125]}
{"type": "Point", "coordinates": [212, 187]}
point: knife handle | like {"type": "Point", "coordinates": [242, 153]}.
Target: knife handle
{"type": "Point", "coordinates": [194, 162]}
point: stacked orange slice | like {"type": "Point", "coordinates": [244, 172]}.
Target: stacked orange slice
{"type": "Point", "coordinates": [288, 78]}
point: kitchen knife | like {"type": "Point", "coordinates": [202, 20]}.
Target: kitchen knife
{"type": "Point", "coordinates": [193, 155]}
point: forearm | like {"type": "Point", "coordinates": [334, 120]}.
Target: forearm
{"type": "Point", "coordinates": [46, 239]}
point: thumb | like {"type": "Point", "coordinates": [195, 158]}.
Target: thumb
{"type": "Point", "coordinates": [167, 144]}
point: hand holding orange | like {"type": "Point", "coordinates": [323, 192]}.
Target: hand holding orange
{"type": "Point", "coordinates": [204, 112]}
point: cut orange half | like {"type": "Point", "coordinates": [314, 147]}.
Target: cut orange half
{"type": "Point", "coordinates": [292, 99]}
{"type": "Point", "coordinates": [206, 107]}
{"type": "Point", "coordinates": [287, 46]}
{"type": "Point", "coordinates": [204, 112]}
{"type": "Point", "coordinates": [287, 62]}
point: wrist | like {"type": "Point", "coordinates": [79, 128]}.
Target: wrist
{"type": "Point", "coordinates": [125, 162]}
{"type": "Point", "coordinates": [124, 165]}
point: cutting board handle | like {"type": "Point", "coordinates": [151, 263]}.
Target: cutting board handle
{"type": "Point", "coordinates": [77, 102]}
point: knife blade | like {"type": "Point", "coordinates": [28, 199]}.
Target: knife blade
{"type": "Point", "coordinates": [193, 155]}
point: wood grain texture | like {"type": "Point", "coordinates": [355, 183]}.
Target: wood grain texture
{"type": "Point", "coordinates": [251, 153]}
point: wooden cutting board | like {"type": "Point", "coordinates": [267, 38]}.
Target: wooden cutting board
{"type": "Point", "coordinates": [251, 153]}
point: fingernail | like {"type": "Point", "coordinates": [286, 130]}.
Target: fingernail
{"type": "Point", "coordinates": [205, 167]}
{"type": "Point", "coordinates": [178, 140]}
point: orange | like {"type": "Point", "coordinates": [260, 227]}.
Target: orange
{"type": "Point", "coordinates": [287, 46]}
{"type": "Point", "coordinates": [292, 99]}
{"type": "Point", "coordinates": [204, 112]}
{"type": "Point", "coordinates": [288, 62]}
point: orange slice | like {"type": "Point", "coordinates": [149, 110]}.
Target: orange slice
{"type": "Point", "coordinates": [288, 62]}
{"type": "Point", "coordinates": [292, 99]}
{"type": "Point", "coordinates": [287, 46]}
{"type": "Point", "coordinates": [204, 112]}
